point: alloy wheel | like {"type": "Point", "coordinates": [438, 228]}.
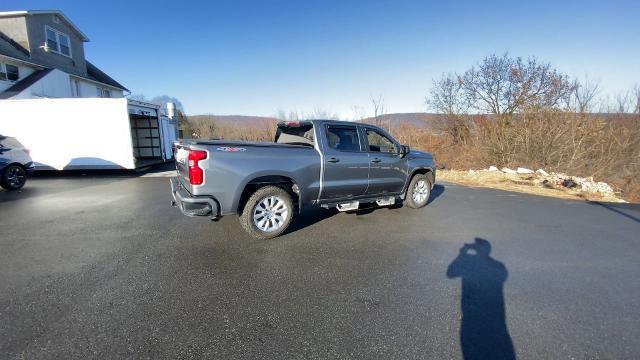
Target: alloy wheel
{"type": "Point", "coordinates": [16, 176]}
{"type": "Point", "coordinates": [270, 214]}
{"type": "Point", "coordinates": [420, 192]}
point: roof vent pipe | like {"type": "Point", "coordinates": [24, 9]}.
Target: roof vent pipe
{"type": "Point", "coordinates": [171, 110]}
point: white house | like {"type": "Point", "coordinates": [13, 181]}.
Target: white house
{"type": "Point", "coordinates": [67, 111]}
{"type": "Point", "coordinates": [42, 56]}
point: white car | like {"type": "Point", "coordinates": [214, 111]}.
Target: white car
{"type": "Point", "coordinates": [15, 163]}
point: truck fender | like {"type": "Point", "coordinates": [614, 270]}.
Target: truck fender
{"type": "Point", "coordinates": [263, 178]}
{"type": "Point", "coordinates": [419, 170]}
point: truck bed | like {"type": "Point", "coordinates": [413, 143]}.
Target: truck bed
{"type": "Point", "coordinates": [237, 143]}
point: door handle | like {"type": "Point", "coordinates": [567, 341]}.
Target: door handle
{"type": "Point", "coordinates": [333, 160]}
{"type": "Point", "coordinates": [376, 160]}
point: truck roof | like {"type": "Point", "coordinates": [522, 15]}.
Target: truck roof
{"type": "Point", "coordinates": [318, 122]}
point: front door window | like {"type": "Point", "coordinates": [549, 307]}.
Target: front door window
{"type": "Point", "coordinates": [380, 143]}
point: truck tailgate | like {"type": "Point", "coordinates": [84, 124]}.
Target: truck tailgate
{"type": "Point", "coordinates": [182, 161]}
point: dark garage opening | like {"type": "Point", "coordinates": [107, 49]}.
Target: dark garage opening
{"type": "Point", "coordinates": [145, 137]}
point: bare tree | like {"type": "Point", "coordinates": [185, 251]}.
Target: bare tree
{"type": "Point", "coordinates": [605, 104]}
{"type": "Point", "coordinates": [162, 100]}
{"type": "Point", "coordinates": [138, 97]}
{"type": "Point", "coordinates": [184, 127]}
{"type": "Point", "coordinates": [203, 127]}
{"type": "Point", "coordinates": [282, 114]}
{"type": "Point", "coordinates": [583, 95]}
{"type": "Point", "coordinates": [447, 96]}
{"type": "Point", "coordinates": [359, 113]}
{"type": "Point", "coordinates": [502, 85]}
{"type": "Point", "coordinates": [378, 109]}
{"type": "Point", "coordinates": [623, 102]}
{"type": "Point", "coordinates": [319, 113]}
{"type": "Point", "coordinates": [636, 98]}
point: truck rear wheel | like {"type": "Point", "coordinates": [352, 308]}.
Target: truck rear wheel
{"type": "Point", "coordinates": [267, 213]}
{"type": "Point", "coordinates": [418, 192]}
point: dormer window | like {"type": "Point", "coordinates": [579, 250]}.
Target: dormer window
{"type": "Point", "coordinates": [9, 72]}
{"type": "Point", "coordinates": [58, 42]}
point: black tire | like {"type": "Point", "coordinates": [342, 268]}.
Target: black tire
{"type": "Point", "coordinates": [260, 199]}
{"type": "Point", "coordinates": [416, 202]}
{"type": "Point", "coordinates": [14, 177]}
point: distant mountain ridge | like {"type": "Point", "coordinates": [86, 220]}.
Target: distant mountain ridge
{"type": "Point", "coordinates": [235, 120]}
{"type": "Point", "coordinates": [421, 121]}
{"type": "Point", "coordinates": [418, 120]}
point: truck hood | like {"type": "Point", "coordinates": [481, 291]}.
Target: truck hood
{"type": "Point", "coordinates": [415, 154]}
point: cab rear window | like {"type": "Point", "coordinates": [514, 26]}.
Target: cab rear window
{"type": "Point", "coordinates": [295, 133]}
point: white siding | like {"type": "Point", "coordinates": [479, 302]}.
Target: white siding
{"type": "Point", "coordinates": [23, 72]}
{"type": "Point", "coordinates": [54, 85]}
{"type": "Point", "coordinates": [117, 93]}
{"type": "Point", "coordinates": [90, 89]}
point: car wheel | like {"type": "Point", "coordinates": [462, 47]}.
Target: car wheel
{"type": "Point", "coordinates": [267, 213]}
{"type": "Point", "coordinates": [419, 191]}
{"type": "Point", "coordinates": [14, 177]}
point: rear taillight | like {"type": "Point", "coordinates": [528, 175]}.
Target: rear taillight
{"type": "Point", "coordinates": [196, 174]}
{"type": "Point", "coordinates": [27, 151]}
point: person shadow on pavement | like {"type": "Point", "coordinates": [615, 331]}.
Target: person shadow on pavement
{"type": "Point", "coordinates": [483, 330]}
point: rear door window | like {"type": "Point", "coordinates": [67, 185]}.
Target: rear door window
{"type": "Point", "coordinates": [343, 138]}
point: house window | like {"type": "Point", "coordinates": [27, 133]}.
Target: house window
{"type": "Point", "coordinates": [64, 45]}
{"type": "Point", "coordinates": [104, 93]}
{"type": "Point", "coordinates": [9, 72]}
{"type": "Point", "coordinates": [52, 40]}
{"type": "Point", "coordinates": [58, 42]}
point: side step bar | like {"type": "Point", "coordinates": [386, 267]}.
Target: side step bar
{"type": "Point", "coordinates": [386, 201]}
{"type": "Point", "coordinates": [353, 205]}
{"type": "Point", "coordinates": [348, 206]}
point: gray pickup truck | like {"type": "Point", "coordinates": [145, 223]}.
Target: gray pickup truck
{"type": "Point", "coordinates": [317, 162]}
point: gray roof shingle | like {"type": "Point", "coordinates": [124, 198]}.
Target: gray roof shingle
{"type": "Point", "coordinates": [10, 48]}
{"type": "Point", "coordinates": [98, 75]}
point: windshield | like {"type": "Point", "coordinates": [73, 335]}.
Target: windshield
{"type": "Point", "coordinates": [295, 133]}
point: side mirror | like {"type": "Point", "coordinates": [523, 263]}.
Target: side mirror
{"type": "Point", "coordinates": [404, 150]}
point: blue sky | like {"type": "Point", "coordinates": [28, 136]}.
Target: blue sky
{"type": "Point", "coordinates": [254, 57]}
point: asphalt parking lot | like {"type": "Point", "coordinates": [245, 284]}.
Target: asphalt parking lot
{"type": "Point", "coordinates": [103, 267]}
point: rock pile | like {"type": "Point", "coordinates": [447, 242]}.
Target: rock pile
{"type": "Point", "coordinates": [553, 179]}
{"type": "Point", "coordinates": [581, 184]}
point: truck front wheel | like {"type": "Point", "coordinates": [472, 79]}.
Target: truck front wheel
{"type": "Point", "coordinates": [418, 191]}
{"type": "Point", "coordinates": [267, 213]}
